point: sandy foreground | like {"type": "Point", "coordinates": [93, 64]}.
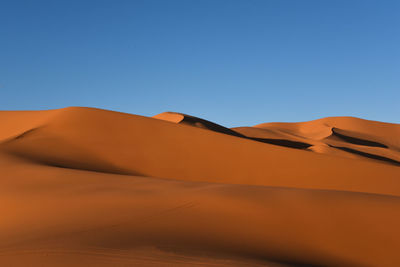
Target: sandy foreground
{"type": "Point", "coordinates": [91, 187]}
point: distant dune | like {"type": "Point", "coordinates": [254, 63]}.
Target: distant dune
{"type": "Point", "coordinates": [91, 187]}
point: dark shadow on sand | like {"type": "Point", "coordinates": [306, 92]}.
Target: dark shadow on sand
{"type": "Point", "coordinates": [368, 155]}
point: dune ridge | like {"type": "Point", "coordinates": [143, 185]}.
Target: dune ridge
{"type": "Point", "coordinates": [304, 136]}
{"type": "Point", "coordinates": [91, 187]}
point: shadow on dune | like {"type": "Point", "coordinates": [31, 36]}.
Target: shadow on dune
{"type": "Point", "coordinates": [290, 263]}
{"type": "Point", "coordinates": [354, 140]}
{"type": "Point", "coordinates": [97, 166]}
{"type": "Point", "coordinates": [204, 124]}
{"type": "Point", "coordinates": [282, 142]}
{"type": "Point", "coordinates": [368, 155]}
{"type": "Point", "coordinates": [41, 148]}
{"type": "Point", "coordinates": [260, 258]}
{"type": "Point", "coordinates": [208, 125]}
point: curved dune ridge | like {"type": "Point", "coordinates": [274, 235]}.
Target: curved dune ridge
{"type": "Point", "coordinates": [91, 187]}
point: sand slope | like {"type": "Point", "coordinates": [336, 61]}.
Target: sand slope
{"type": "Point", "coordinates": [90, 187]}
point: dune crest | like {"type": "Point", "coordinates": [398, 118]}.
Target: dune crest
{"type": "Point", "coordinates": [91, 187]}
{"type": "Point", "coordinates": [196, 122]}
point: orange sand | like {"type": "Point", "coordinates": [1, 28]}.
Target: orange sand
{"type": "Point", "coordinates": [90, 187]}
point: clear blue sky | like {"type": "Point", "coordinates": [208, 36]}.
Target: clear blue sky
{"type": "Point", "coordinates": [235, 62]}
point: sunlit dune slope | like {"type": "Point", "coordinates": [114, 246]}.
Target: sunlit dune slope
{"type": "Point", "coordinates": [90, 187]}
{"type": "Point", "coordinates": [105, 141]}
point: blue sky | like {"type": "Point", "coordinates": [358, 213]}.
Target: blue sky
{"type": "Point", "coordinates": [233, 62]}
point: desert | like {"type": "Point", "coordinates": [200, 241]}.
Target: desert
{"type": "Point", "coordinates": [92, 187]}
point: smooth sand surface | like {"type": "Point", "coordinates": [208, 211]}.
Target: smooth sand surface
{"type": "Point", "coordinates": [90, 187]}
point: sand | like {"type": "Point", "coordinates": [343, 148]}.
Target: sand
{"type": "Point", "coordinates": [91, 187]}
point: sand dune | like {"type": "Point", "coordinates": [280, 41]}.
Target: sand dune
{"type": "Point", "coordinates": [90, 187]}
{"type": "Point", "coordinates": [359, 138]}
